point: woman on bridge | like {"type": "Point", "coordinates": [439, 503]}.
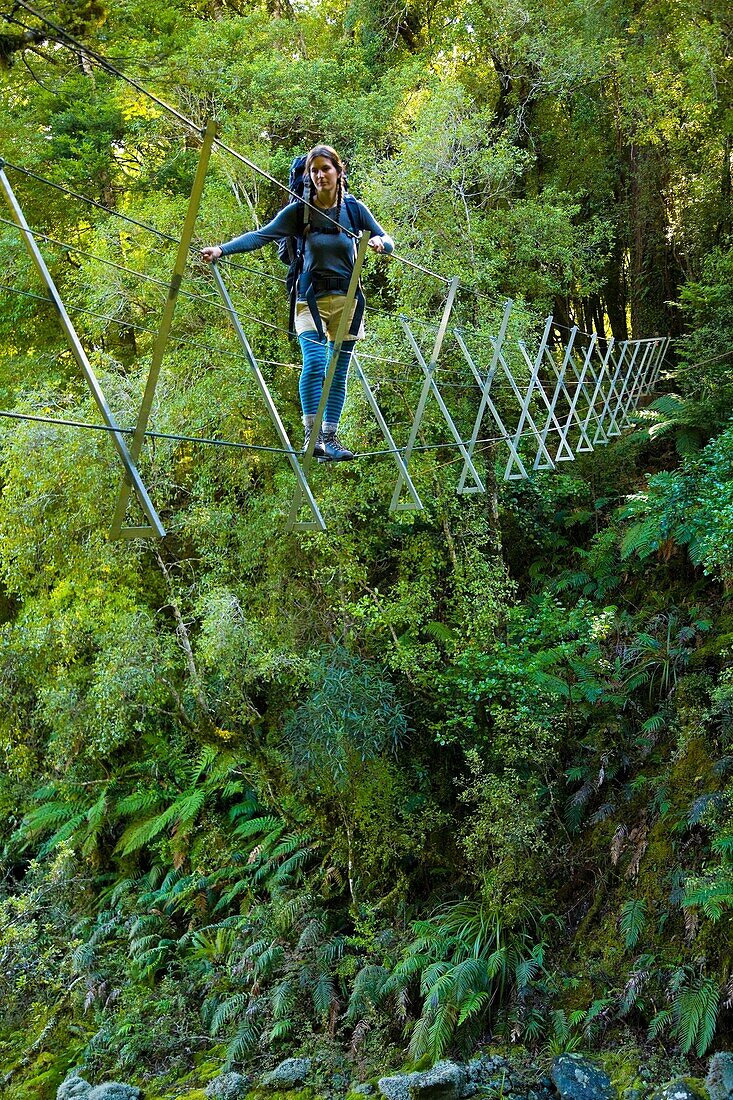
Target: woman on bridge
{"type": "Point", "coordinates": [328, 261]}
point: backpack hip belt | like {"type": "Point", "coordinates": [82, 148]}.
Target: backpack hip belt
{"type": "Point", "coordinates": [331, 284]}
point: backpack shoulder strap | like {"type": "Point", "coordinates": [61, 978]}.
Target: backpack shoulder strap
{"type": "Point", "coordinates": [351, 206]}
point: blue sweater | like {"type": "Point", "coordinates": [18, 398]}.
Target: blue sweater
{"type": "Point", "coordinates": [325, 253]}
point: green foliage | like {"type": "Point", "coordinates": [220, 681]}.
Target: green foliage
{"type": "Point", "coordinates": [469, 964]}
{"type": "Point", "coordinates": [248, 773]}
{"type": "Point", "coordinates": [351, 718]}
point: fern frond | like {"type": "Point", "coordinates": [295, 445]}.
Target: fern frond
{"type": "Point", "coordinates": [696, 1014]}
{"type": "Point", "coordinates": [283, 999]}
{"type": "Point", "coordinates": [659, 1023]}
{"type": "Point", "coordinates": [473, 1006]}
{"type": "Point", "coordinates": [255, 825]}
{"type": "Point", "coordinates": [64, 833]}
{"type": "Point", "coordinates": [136, 836]}
{"type": "Point", "coordinates": [137, 802]}
{"type": "Point", "coordinates": [633, 920]}
{"type": "Point", "coordinates": [324, 994]}
{"type": "Point", "coordinates": [228, 1010]}
{"type": "Point", "coordinates": [442, 1029]}
{"type": "Point", "coordinates": [243, 1044]}
{"type": "Point", "coordinates": [280, 1030]}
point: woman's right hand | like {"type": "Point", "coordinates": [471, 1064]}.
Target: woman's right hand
{"type": "Point", "coordinates": [211, 253]}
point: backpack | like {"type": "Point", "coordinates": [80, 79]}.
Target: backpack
{"type": "Point", "coordinates": [291, 250]}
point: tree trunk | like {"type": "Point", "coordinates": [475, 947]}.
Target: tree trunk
{"type": "Point", "coordinates": [654, 274]}
{"type": "Point", "coordinates": [725, 222]}
{"type": "Point", "coordinates": [615, 296]}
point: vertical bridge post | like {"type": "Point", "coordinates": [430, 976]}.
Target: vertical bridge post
{"type": "Point", "coordinates": [117, 531]}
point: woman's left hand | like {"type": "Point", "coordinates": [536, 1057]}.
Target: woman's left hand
{"type": "Point", "coordinates": [377, 244]}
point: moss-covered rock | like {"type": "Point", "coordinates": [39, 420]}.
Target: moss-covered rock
{"type": "Point", "coordinates": [719, 1081]}
{"type": "Point", "coordinates": [73, 1088]}
{"type": "Point", "coordinates": [291, 1072]}
{"type": "Point", "coordinates": [576, 1078]}
{"type": "Point", "coordinates": [115, 1090]}
{"type": "Point", "coordinates": [227, 1086]}
{"type": "Point", "coordinates": [682, 1088]}
{"type": "Point", "coordinates": [444, 1081]}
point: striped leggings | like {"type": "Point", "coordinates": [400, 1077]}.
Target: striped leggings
{"type": "Point", "coordinates": [316, 352]}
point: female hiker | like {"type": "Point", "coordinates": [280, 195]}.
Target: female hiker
{"type": "Point", "coordinates": [327, 264]}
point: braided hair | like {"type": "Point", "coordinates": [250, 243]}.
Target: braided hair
{"type": "Point", "coordinates": [330, 154]}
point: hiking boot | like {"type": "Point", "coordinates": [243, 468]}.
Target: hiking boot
{"type": "Point", "coordinates": [319, 451]}
{"type": "Point", "coordinates": [334, 450]}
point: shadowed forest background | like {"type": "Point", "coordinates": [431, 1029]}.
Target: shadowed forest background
{"type": "Point", "coordinates": [428, 779]}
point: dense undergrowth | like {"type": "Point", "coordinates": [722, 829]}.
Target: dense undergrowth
{"type": "Point", "coordinates": [526, 834]}
{"type": "Point", "coordinates": [430, 779]}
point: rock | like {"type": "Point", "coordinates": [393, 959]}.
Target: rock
{"type": "Point", "coordinates": [575, 1078]}
{"type": "Point", "coordinates": [113, 1090]}
{"type": "Point", "coordinates": [293, 1071]}
{"type": "Point", "coordinates": [73, 1088]}
{"type": "Point", "coordinates": [480, 1070]}
{"type": "Point", "coordinates": [719, 1081]}
{"type": "Point", "coordinates": [679, 1089]}
{"type": "Point", "coordinates": [227, 1086]}
{"type": "Point", "coordinates": [444, 1081]}
{"type": "Point", "coordinates": [397, 1087]}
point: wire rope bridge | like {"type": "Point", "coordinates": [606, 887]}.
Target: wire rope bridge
{"type": "Point", "coordinates": [543, 405]}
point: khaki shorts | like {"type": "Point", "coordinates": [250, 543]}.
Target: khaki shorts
{"type": "Point", "coordinates": [330, 307]}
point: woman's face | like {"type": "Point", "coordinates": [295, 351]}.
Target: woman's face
{"type": "Point", "coordinates": [324, 175]}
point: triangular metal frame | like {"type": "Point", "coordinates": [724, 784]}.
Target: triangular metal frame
{"type": "Point", "coordinates": [370, 395]}
{"type": "Point", "coordinates": [318, 523]}
{"type": "Point", "coordinates": [155, 526]}
{"type": "Point", "coordinates": [584, 445]}
{"type": "Point", "coordinates": [526, 416]}
{"type": "Point", "coordinates": [619, 410]}
{"type": "Point", "coordinates": [591, 414]}
{"type": "Point", "coordinates": [563, 452]}
{"type": "Point", "coordinates": [639, 387]}
{"type": "Point", "coordinates": [613, 429]}
{"type": "Point", "coordinates": [430, 387]}
{"type": "Point", "coordinates": [485, 385]}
